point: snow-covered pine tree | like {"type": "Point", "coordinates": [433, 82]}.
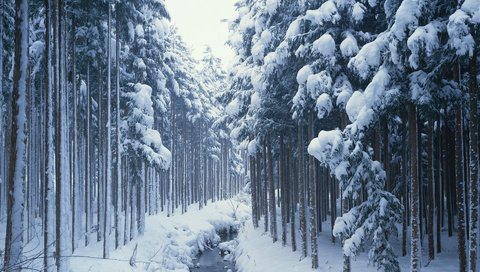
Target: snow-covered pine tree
{"type": "Point", "coordinates": [464, 38]}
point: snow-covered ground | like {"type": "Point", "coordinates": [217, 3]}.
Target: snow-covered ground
{"type": "Point", "coordinates": [257, 253]}
{"type": "Point", "coordinates": [169, 243]}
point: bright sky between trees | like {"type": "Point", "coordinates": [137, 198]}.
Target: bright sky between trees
{"type": "Point", "coordinates": [200, 23]}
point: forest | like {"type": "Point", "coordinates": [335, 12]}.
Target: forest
{"type": "Point", "coordinates": [342, 137]}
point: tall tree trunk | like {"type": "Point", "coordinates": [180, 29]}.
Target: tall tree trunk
{"type": "Point", "coordinates": [293, 203]}
{"type": "Point", "coordinates": [449, 179]}
{"type": "Point", "coordinates": [49, 217]}
{"type": "Point", "coordinates": [474, 178]}
{"type": "Point", "coordinates": [62, 156]}
{"type": "Point", "coordinates": [430, 191]}
{"type": "Point", "coordinates": [118, 182]}
{"type": "Point", "coordinates": [76, 215]}
{"type": "Point", "coordinates": [282, 176]}
{"type": "Point", "coordinates": [15, 183]}
{"type": "Point", "coordinates": [301, 191]}
{"type": "Point", "coordinates": [311, 200]}
{"type": "Point", "coordinates": [3, 153]}
{"type": "Point", "coordinates": [100, 174]}
{"type": "Point", "coordinates": [263, 196]}
{"type": "Point", "coordinates": [414, 193]}
{"type": "Point", "coordinates": [460, 189]}
{"type": "Point", "coordinates": [405, 182]}
{"type": "Point", "coordinates": [108, 180]}
{"type": "Point", "coordinates": [88, 178]}
{"type": "Point", "coordinates": [271, 197]}
{"type": "Point", "coordinates": [438, 185]}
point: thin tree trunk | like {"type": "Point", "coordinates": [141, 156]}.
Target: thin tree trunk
{"type": "Point", "coordinates": [15, 183]}
{"type": "Point", "coordinates": [301, 191]}
{"type": "Point", "coordinates": [263, 186]}
{"type": "Point", "coordinates": [293, 203]}
{"type": "Point", "coordinates": [460, 189]}
{"type": "Point", "coordinates": [118, 233]}
{"type": "Point", "coordinates": [76, 216]}
{"type": "Point", "coordinates": [283, 181]}
{"type": "Point", "coordinates": [405, 183]}
{"type": "Point", "coordinates": [48, 231]}
{"type": "Point", "coordinates": [430, 191]}
{"type": "Point", "coordinates": [311, 201]}
{"type": "Point", "coordinates": [474, 178]}
{"type": "Point", "coordinates": [88, 180]}
{"type": "Point", "coordinates": [438, 182]}
{"type": "Point", "coordinates": [108, 180]}
{"type": "Point", "coordinates": [414, 192]}
{"type": "Point", "coordinates": [271, 198]}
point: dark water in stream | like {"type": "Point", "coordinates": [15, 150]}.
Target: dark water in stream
{"type": "Point", "coordinates": [211, 260]}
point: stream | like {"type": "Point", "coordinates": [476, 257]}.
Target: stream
{"type": "Point", "coordinates": [211, 260]}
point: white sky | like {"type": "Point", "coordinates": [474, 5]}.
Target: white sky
{"type": "Point", "coordinates": [199, 23]}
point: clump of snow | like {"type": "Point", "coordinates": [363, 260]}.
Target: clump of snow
{"type": "Point", "coordinates": [352, 244]}
{"type": "Point", "coordinates": [252, 147]}
{"type": "Point", "coordinates": [255, 101]}
{"type": "Point", "coordinates": [247, 22]}
{"type": "Point", "coordinates": [423, 38]}
{"type": "Point", "coordinates": [325, 45]}
{"type": "Point", "coordinates": [420, 93]}
{"type": "Point", "coordinates": [270, 62]}
{"type": "Point", "coordinates": [131, 31]}
{"type": "Point", "coordinates": [342, 90]}
{"type": "Point", "coordinates": [458, 31]}
{"type": "Point", "coordinates": [341, 170]}
{"type": "Point", "coordinates": [358, 12]}
{"type": "Point", "coordinates": [354, 105]}
{"type": "Point", "coordinates": [406, 18]}
{"type": "Point", "coordinates": [368, 58]}
{"type": "Point", "coordinates": [140, 64]}
{"type": "Point", "coordinates": [326, 145]}
{"type": "Point", "coordinates": [271, 6]}
{"type": "Point", "coordinates": [303, 74]}
{"type": "Point", "coordinates": [324, 105]}
{"type": "Point", "coordinates": [360, 107]}
{"type": "Point", "coordinates": [349, 46]}
{"type": "Point", "coordinates": [139, 31]}
{"type": "Point", "coordinates": [327, 12]}
{"type": "Point", "coordinates": [377, 87]}
{"type": "Point", "coordinates": [162, 28]}
{"type": "Point", "coordinates": [318, 84]}
{"type": "Point", "coordinates": [233, 108]}
{"type": "Point", "coordinates": [472, 7]}
{"type": "Point", "coordinates": [228, 246]}
{"type": "Point", "coordinates": [342, 223]}
{"type": "Point", "coordinates": [258, 81]}
{"type": "Point", "coordinates": [293, 28]}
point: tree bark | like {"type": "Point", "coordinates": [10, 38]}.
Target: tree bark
{"type": "Point", "coordinates": [301, 190]}
{"type": "Point", "coordinates": [474, 178]}
{"type": "Point", "coordinates": [271, 197]}
{"type": "Point", "coordinates": [430, 191]}
{"type": "Point", "coordinates": [15, 182]}
{"type": "Point", "coordinates": [405, 182]}
{"type": "Point", "coordinates": [311, 200]}
{"type": "Point", "coordinates": [460, 193]}
{"type": "Point", "coordinates": [414, 193]}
